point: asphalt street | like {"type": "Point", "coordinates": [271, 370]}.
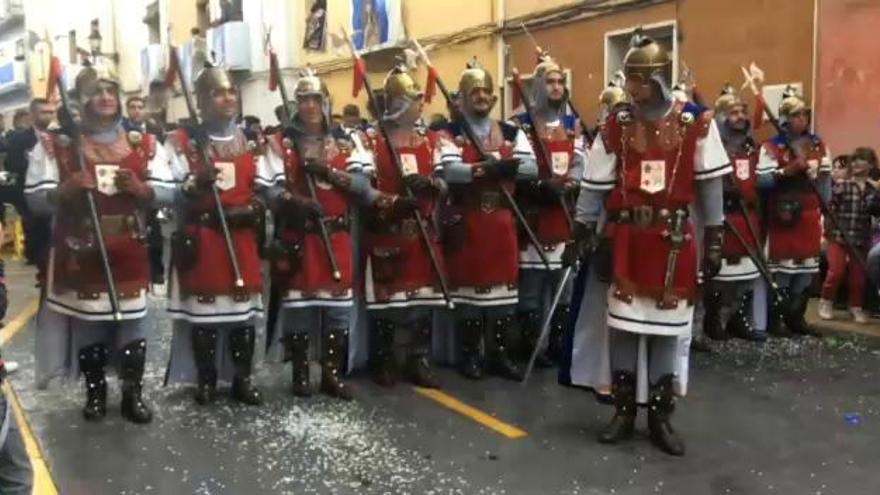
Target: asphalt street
{"type": "Point", "coordinates": [791, 417]}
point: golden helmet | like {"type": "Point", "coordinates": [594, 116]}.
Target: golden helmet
{"type": "Point", "coordinates": [87, 80]}
{"type": "Point", "coordinates": [546, 65]}
{"type": "Point", "coordinates": [210, 79]}
{"type": "Point", "coordinates": [791, 103]}
{"type": "Point", "coordinates": [399, 83]}
{"type": "Point", "coordinates": [473, 77]}
{"type": "Point", "coordinates": [612, 96]}
{"type": "Point", "coordinates": [645, 58]}
{"type": "Point", "coordinates": [310, 84]}
{"type": "Point", "coordinates": [727, 100]}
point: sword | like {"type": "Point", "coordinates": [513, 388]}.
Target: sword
{"type": "Point", "coordinates": [545, 327]}
{"type": "Point", "coordinates": [677, 237]}
{"type": "Point", "coordinates": [759, 262]}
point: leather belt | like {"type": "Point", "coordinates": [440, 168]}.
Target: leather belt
{"type": "Point", "coordinates": [333, 224]}
{"type": "Point", "coordinates": [644, 216]}
{"type": "Point", "coordinates": [119, 225]}
{"type": "Point", "coordinates": [237, 217]}
{"type": "Point", "coordinates": [407, 228]}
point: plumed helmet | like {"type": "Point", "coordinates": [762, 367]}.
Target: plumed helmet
{"type": "Point", "coordinates": [87, 80]}
{"type": "Point", "coordinates": [546, 65]}
{"type": "Point", "coordinates": [727, 100]}
{"type": "Point", "coordinates": [473, 77]}
{"type": "Point", "coordinates": [645, 58]}
{"type": "Point", "coordinates": [613, 94]}
{"type": "Point", "coordinates": [399, 83]}
{"type": "Point", "coordinates": [309, 84]}
{"type": "Point", "coordinates": [791, 103]}
{"type": "Point", "coordinates": [210, 79]}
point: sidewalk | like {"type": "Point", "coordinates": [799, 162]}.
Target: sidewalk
{"type": "Point", "coordinates": [842, 324]}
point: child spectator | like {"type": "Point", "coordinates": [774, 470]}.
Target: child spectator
{"type": "Point", "coordinates": [854, 200]}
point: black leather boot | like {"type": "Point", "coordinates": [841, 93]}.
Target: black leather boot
{"type": "Point", "coordinates": [794, 316]}
{"type": "Point", "coordinates": [712, 317]}
{"type": "Point", "coordinates": [418, 366]}
{"type": "Point", "coordinates": [661, 405]}
{"type": "Point", "coordinates": [296, 350]}
{"type": "Point", "coordinates": [131, 372]}
{"type": "Point", "coordinates": [335, 350]}
{"type": "Point", "coordinates": [384, 368]}
{"type": "Point", "coordinates": [470, 333]}
{"type": "Point", "coordinates": [530, 326]}
{"type": "Point", "coordinates": [499, 362]}
{"type": "Point", "coordinates": [623, 397]}
{"type": "Point", "coordinates": [558, 326]}
{"type": "Point", "coordinates": [92, 360]}
{"type": "Point", "coordinates": [775, 315]}
{"type": "Point", "coordinates": [241, 343]}
{"type": "Point", "coordinates": [740, 325]}
{"type": "Point", "coordinates": [204, 345]}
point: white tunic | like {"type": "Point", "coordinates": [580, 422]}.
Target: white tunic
{"type": "Point", "coordinates": [642, 315]}
{"type": "Point", "coordinates": [43, 177]}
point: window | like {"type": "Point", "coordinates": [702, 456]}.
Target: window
{"type": "Point", "coordinates": [617, 44]}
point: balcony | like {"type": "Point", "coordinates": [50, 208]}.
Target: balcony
{"type": "Point", "coordinates": [231, 43]}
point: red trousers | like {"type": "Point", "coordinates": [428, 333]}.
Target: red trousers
{"type": "Point", "coordinates": [840, 265]}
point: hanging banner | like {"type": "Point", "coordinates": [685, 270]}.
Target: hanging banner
{"type": "Point", "coordinates": [376, 24]}
{"type": "Point", "coordinates": [316, 25]}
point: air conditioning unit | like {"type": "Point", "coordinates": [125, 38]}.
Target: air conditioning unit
{"type": "Point", "coordinates": [13, 76]}
{"type": "Point", "coordinates": [154, 63]}
{"type": "Point", "coordinates": [231, 43]}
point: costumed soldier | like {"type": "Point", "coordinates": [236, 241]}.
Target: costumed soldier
{"type": "Point", "coordinates": [726, 297]}
{"type": "Point", "coordinates": [794, 228]}
{"type": "Point", "coordinates": [649, 167]}
{"type": "Point", "coordinates": [401, 283]}
{"type": "Point", "coordinates": [128, 173]}
{"type": "Point", "coordinates": [480, 238]}
{"type": "Point", "coordinates": [214, 314]}
{"type": "Point", "coordinates": [316, 305]}
{"type": "Point", "coordinates": [541, 203]}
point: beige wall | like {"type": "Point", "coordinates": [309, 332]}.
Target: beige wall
{"type": "Point", "coordinates": [519, 8]}
{"type": "Point", "coordinates": [718, 37]}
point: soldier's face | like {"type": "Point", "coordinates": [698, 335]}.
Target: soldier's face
{"type": "Point", "coordinates": [225, 103]}
{"type": "Point", "coordinates": [105, 100]}
{"type": "Point", "coordinates": [555, 85]}
{"type": "Point", "coordinates": [737, 118]}
{"type": "Point", "coordinates": [414, 112]}
{"type": "Point", "coordinates": [799, 122]}
{"type": "Point", "coordinates": [311, 109]}
{"type": "Point", "coordinates": [640, 90]}
{"type": "Point", "coordinates": [481, 101]}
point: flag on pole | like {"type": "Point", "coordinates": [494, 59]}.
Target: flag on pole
{"type": "Point", "coordinates": [173, 67]}
{"type": "Point", "coordinates": [55, 71]}
{"type": "Point", "coordinates": [431, 84]}
{"type": "Point", "coordinates": [360, 75]}
{"type": "Point", "coordinates": [760, 105]}
{"type": "Point", "coordinates": [274, 71]}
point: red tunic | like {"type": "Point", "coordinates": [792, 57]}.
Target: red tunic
{"type": "Point", "coordinates": [544, 213]}
{"type": "Point", "coordinates": [212, 273]}
{"type": "Point", "coordinates": [315, 273]}
{"type": "Point", "coordinates": [744, 164]}
{"type": "Point", "coordinates": [83, 271]}
{"type": "Point", "coordinates": [398, 256]}
{"type": "Point", "coordinates": [801, 238]}
{"type": "Point", "coordinates": [489, 253]}
{"type": "Point", "coordinates": [655, 166]}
